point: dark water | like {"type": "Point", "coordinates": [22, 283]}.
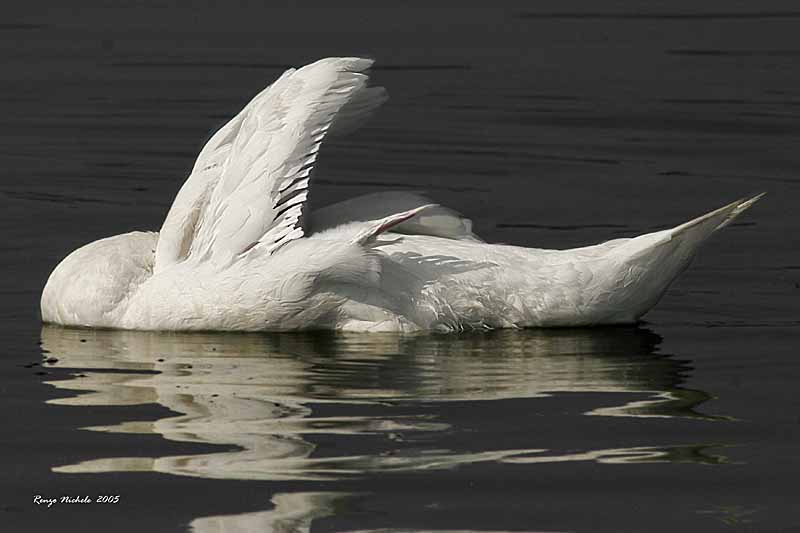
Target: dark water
{"type": "Point", "coordinates": [554, 125]}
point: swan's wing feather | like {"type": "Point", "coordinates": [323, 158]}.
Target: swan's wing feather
{"type": "Point", "coordinates": [358, 110]}
{"type": "Point", "coordinates": [248, 189]}
{"type": "Point", "coordinates": [438, 221]}
{"type": "Point", "coordinates": [179, 228]}
{"type": "Point", "coordinates": [259, 199]}
{"type": "Point", "coordinates": [375, 227]}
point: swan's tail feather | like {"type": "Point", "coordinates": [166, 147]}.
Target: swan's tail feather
{"type": "Point", "coordinates": [685, 238]}
{"type": "Point", "coordinates": [653, 261]}
{"type": "Point", "coordinates": [717, 219]}
{"type": "Point", "coordinates": [741, 208]}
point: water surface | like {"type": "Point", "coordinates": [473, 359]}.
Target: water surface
{"type": "Point", "coordinates": [331, 408]}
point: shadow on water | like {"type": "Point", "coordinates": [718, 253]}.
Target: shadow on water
{"type": "Point", "coordinates": [273, 401]}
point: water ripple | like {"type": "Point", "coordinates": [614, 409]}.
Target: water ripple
{"type": "Point", "coordinates": [270, 396]}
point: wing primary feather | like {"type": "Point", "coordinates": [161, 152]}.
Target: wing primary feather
{"type": "Point", "coordinates": [296, 185]}
{"type": "Point", "coordinates": [290, 210]}
{"type": "Point", "coordinates": [376, 227]}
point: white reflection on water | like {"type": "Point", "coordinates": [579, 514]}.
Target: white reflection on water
{"type": "Point", "coordinates": [293, 513]}
{"type": "Point", "coordinates": [269, 396]}
{"type": "Point", "coordinates": [259, 393]}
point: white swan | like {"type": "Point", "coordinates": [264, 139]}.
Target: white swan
{"type": "Point", "coordinates": [238, 251]}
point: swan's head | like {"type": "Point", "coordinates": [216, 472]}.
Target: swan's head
{"type": "Point", "coordinates": [91, 285]}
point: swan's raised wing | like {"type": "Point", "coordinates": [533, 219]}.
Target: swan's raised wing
{"type": "Point", "coordinates": [179, 227]}
{"type": "Point", "coordinates": [248, 189]}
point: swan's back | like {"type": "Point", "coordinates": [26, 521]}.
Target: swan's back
{"type": "Point", "coordinates": [457, 284]}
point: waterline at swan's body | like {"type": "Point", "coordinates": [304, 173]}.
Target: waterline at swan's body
{"type": "Point", "coordinates": [239, 251]}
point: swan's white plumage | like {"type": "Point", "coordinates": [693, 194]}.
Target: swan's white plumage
{"type": "Point", "coordinates": [238, 250]}
{"type": "Point", "coordinates": [437, 220]}
{"type": "Point", "coordinates": [247, 191]}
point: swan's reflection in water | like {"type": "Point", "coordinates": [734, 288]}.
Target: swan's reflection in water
{"type": "Point", "coordinates": [269, 395]}
{"type": "Point", "coordinates": [291, 513]}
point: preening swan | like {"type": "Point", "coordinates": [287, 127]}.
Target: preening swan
{"type": "Point", "coordinates": [240, 251]}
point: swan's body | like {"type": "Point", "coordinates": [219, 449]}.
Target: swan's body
{"type": "Point", "coordinates": [238, 252]}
